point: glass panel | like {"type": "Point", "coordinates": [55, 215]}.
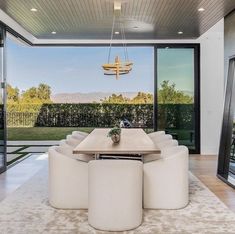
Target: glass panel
{"type": "Point", "coordinates": [226, 160]}
{"type": "Point", "coordinates": [175, 92]}
{"type": "Point", "coordinates": [231, 176]}
{"type": "Point", "coordinates": [2, 109]}
{"type": "Point", "coordinates": [81, 95]}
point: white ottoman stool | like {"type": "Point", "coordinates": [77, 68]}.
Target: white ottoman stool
{"type": "Point", "coordinates": [115, 194]}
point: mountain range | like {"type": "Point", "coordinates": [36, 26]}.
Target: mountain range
{"type": "Point", "coordinates": [92, 96]}
{"type": "Point", "coordinates": [87, 97]}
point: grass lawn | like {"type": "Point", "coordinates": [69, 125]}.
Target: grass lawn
{"type": "Point", "coordinates": [41, 133]}
{"type": "Point", "coordinates": [44, 133]}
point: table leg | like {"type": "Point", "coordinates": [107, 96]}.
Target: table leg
{"type": "Point", "coordinates": [97, 156]}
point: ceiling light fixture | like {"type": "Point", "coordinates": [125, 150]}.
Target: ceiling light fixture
{"type": "Point", "coordinates": [53, 32]}
{"type": "Point", "coordinates": [117, 33]}
{"type": "Point", "coordinates": [201, 9]}
{"type": "Point", "coordinates": [117, 6]}
{"type": "Point", "coordinates": [118, 67]}
{"type": "Point", "coordinates": [180, 32]}
{"type": "Point", "coordinates": [33, 9]}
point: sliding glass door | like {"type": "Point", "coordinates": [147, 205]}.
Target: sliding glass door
{"type": "Point", "coordinates": [177, 93]}
{"type": "Point", "coordinates": [2, 102]}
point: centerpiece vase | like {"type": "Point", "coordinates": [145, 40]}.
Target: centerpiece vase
{"type": "Point", "coordinates": [115, 138]}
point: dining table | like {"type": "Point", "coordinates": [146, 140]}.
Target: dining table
{"type": "Point", "coordinates": [133, 142]}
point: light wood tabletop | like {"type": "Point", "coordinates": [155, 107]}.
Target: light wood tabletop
{"type": "Point", "coordinates": [133, 141]}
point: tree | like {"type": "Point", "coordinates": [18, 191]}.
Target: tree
{"type": "Point", "coordinates": [142, 98]}
{"type": "Point", "coordinates": [39, 95]}
{"type": "Point", "coordinates": [168, 94]}
{"type": "Point", "coordinates": [12, 94]}
{"type": "Point", "coordinates": [30, 96]}
{"type": "Point", "coordinates": [114, 98]}
{"type": "Point", "coordinates": [44, 92]}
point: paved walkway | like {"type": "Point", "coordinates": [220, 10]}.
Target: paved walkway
{"type": "Point", "coordinates": [19, 149]}
{"type": "Point", "coordinates": [32, 143]}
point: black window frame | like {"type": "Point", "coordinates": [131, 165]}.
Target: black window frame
{"type": "Point", "coordinates": [196, 47]}
{"type": "Point", "coordinates": [227, 125]}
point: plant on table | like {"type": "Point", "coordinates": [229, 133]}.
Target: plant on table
{"type": "Point", "coordinates": [115, 134]}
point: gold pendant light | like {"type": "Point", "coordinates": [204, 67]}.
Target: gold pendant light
{"type": "Point", "coordinates": [118, 67]}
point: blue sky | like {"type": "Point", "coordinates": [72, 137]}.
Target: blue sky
{"type": "Point", "coordinates": [176, 65]}
{"type": "Point", "coordinates": [78, 69]}
{"type": "Point", "coordinates": [74, 69]}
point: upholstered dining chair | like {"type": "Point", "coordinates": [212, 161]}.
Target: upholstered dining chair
{"type": "Point", "coordinates": [68, 180]}
{"type": "Point", "coordinates": [166, 180]}
{"type": "Point", "coordinates": [161, 145]}
{"type": "Point", "coordinates": [67, 149]}
{"type": "Point", "coordinates": [157, 133]}
{"type": "Point", "coordinates": [163, 137]}
{"type": "Point", "coordinates": [167, 143]}
{"type": "Point", "coordinates": [115, 194]}
{"type": "Point", "coordinates": [80, 134]}
{"type": "Point", "coordinates": [74, 141]}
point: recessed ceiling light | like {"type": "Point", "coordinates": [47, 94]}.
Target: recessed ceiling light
{"type": "Point", "coordinates": [33, 9]}
{"type": "Point", "coordinates": [117, 32]}
{"type": "Point", "coordinates": [201, 9]}
{"type": "Point", "coordinates": [180, 32]}
{"type": "Point", "coordinates": [117, 6]}
{"type": "Point", "coordinates": [53, 32]}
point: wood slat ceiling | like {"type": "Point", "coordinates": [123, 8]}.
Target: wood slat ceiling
{"type": "Point", "coordinates": [92, 19]}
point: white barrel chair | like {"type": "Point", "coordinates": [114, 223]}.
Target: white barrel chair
{"type": "Point", "coordinates": [79, 133]}
{"type": "Point", "coordinates": [74, 141]}
{"type": "Point", "coordinates": [157, 133]}
{"type": "Point", "coordinates": [166, 180]}
{"type": "Point", "coordinates": [115, 194]}
{"type": "Point", "coordinates": [67, 143]}
{"type": "Point", "coordinates": [68, 180]}
{"type": "Point", "coordinates": [158, 138]}
{"type": "Point", "coordinates": [167, 143]}
{"type": "Point", "coordinates": [67, 149]}
{"type": "Point", "coordinates": [161, 145]}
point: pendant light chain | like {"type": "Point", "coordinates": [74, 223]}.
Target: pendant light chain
{"type": "Point", "coordinates": [118, 67]}
{"type": "Point", "coordinates": [110, 45]}
{"type": "Point", "coordinates": [124, 42]}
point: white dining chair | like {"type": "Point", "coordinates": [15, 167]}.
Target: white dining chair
{"type": "Point", "coordinates": [68, 180]}
{"type": "Point", "coordinates": [73, 140]}
{"type": "Point", "coordinates": [158, 138]}
{"type": "Point", "coordinates": [167, 143]}
{"type": "Point", "coordinates": [166, 180]}
{"type": "Point", "coordinates": [115, 194]}
{"type": "Point", "coordinates": [161, 145]}
{"type": "Point", "coordinates": [68, 143]}
{"type": "Point", "coordinates": [80, 134]}
{"type": "Point", "coordinates": [157, 133]}
{"type": "Point", "coordinates": [67, 149]}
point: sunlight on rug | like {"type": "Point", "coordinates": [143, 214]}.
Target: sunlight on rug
{"type": "Point", "coordinates": [26, 211]}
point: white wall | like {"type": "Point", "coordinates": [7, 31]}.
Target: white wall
{"type": "Point", "coordinates": [212, 87]}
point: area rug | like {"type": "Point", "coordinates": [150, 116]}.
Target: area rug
{"type": "Point", "coordinates": [26, 211]}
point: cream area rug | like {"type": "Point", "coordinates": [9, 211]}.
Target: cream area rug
{"type": "Point", "coordinates": [26, 211]}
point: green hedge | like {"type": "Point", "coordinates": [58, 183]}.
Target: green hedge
{"type": "Point", "coordinates": [170, 116]}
